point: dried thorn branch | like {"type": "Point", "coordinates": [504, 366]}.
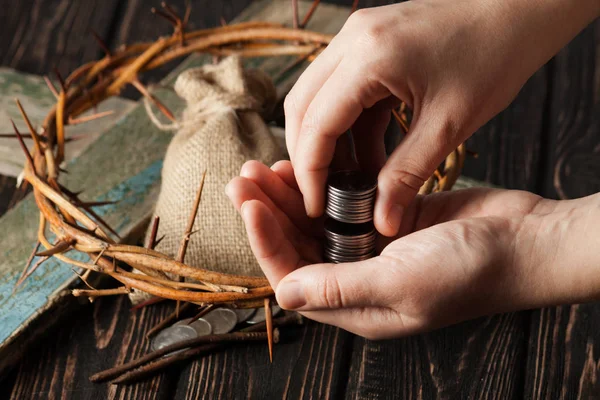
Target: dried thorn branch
{"type": "Point", "coordinates": [32, 131]}
{"type": "Point", "coordinates": [101, 43]}
{"type": "Point", "coordinates": [51, 86]}
{"type": "Point", "coordinates": [100, 292]}
{"type": "Point", "coordinates": [190, 225]}
{"type": "Point", "coordinates": [152, 300]}
{"type": "Point", "coordinates": [88, 118]}
{"type": "Point", "coordinates": [151, 242]}
{"type": "Point", "coordinates": [295, 14]}
{"type": "Point", "coordinates": [129, 374]}
{"type": "Point", "coordinates": [23, 147]}
{"type": "Point", "coordinates": [60, 247]}
{"type": "Point", "coordinates": [202, 313]}
{"type": "Point", "coordinates": [27, 264]}
{"type": "Point", "coordinates": [400, 121]}
{"type": "Point", "coordinates": [83, 278]}
{"type": "Point", "coordinates": [309, 13]}
{"type": "Point", "coordinates": [167, 321]}
{"type": "Point", "coordinates": [146, 93]}
{"type": "Point", "coordinates": [269, 323]}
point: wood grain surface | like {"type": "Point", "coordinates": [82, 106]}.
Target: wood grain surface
{"type": "Point", "coordinates": [547, 141]}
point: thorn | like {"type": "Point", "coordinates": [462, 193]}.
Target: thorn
{"type": "Point", "coordinates": [60, 247]}
{"type": "Point", "coordinates": [23, 147]}
{"type": "Point", "coordinates": [295, 14]}
{"type": "Point", "coordinates": [472, 153]}
{"type": "Point", "coordinates": [400, 121]}
{"type": "Point", "coordinates": [60, 80]}
{"type": "Point", "coordinates": [202, 313]}
{"type": "Point", "coordinates": [83, 279]}
{"type": "Point", "coordinates": [191, 219]}
{"type": "Point", "coordinates": [188, 12]}
{"type": "Point", "coordinates": [309, 13]}
{"type": "Point", "coordinates": [160, 239]}
{"type": "Point", "coordinates": [164, 15]}
{"type": "Point", "coordinates": [88, 118]}
{"type": "Point", "coordinates": [34, 268]}
{"type": "Point", "coordinates": [354, 6]}
{"type": "Point", "coordinates": [33, 133]}
{"type": "Point", "coordinates": [151, 242]}
{"type": "Point", "coordinates": [144, 91]}
{"type": "Point", "coordinates": [27, 264]}
{"type": "Point", "coordinates": [51, 86]}
{"type": "Point", "coordinates": [149, 302]}
{"type": "Point", "coordinates": [97, 203]}
{"type": "Point", "coordinates": [169, 9]}
{"type": "Point", "coordinates": [269, 321]}
{"type": "Point", "coordinates": [101, 42]}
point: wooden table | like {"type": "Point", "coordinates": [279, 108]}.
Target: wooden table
{"type": "Point", "coordinates": [547, 141]}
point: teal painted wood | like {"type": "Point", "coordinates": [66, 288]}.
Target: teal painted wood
{"type": "Point", "coordinates": [53, 275]}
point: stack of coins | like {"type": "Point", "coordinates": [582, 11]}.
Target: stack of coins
{"type": "Point", "coordinates": [349, 231]}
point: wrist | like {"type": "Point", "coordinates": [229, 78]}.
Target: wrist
{"type": "Point", "coordinates": [563, 258]}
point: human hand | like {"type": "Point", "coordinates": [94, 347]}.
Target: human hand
{"type": "Point", "coordinates": [455, 63]}
{"type": "Point", "coordinates": [458, 255]}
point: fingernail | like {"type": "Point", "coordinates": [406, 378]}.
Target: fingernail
{"type": "Point", "coordinates": [394, 216]}
{"type": "Point", "coordinates": [290, 295]}
{"type": "Point", "coordinates": [242, 208]}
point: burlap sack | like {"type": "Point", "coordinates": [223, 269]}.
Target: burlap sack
{"type": "Point", "coordinates": [220, 129]}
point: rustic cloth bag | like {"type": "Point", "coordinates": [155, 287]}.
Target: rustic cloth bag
{"type": "Point", "coordinates": [220, 129]}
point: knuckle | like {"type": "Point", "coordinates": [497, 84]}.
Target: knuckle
{"type": "Point", "coordinates": [290, 103]}
{"type": "Point", "coordinates": [329, 293]}
{"type": "Point", "coordinates": [402, 179]}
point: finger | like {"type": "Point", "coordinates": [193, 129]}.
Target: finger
{"type": "Point", "coordinates": [374, 323]}
{"type": "Point", "coordinates": [335, 286]}
{"type": "Point", "coordinates": [286, 199]}
{"type": "Point", "coordinates": [285, 171]}
{"type": "Point", "coordinates": [412, 162]}
{"type": "Point", "coordinates": [368, 133]}
{"type": "Point", "coordinates": [332, 112]}
{"type": "Point", "coordinates": [304, 90]}
{"type": "Point", "coordinates": [276, 256]}
{"type": "Point", "coordinates": [240, 190]}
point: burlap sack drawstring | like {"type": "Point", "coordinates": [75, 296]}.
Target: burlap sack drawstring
{"type": "Point", "coordinates": [220, 129]}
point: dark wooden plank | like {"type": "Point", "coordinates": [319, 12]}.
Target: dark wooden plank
{"type": "Point", "coordinates": [481, 359]}
{"type": "Point", "coordinates": [508, 146]}
{"type": "Point", "coordinates": [96, 337]}
{"type": "Point", "coordinates": [311, 363]}
{"type": "Point", "coordinates": [38, 36]}
{"type": "Point", "coordinates": [573, 142]}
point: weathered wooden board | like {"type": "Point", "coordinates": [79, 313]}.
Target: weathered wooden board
{"type": "Point", "coordinates": [37, 100]}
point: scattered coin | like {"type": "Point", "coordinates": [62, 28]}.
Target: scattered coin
{"type": "Point", "coordinates": [171, 335]}
{"type": "Point", "coordinates": [243, 314]}
{"type": "Point", "coordinates": [260, 314]}
{"type": "Point", "coordinates": [202, 327]}
{"type": "Point", "coordinates": [185, 321]}
{"type": "Point", "coordinates": [222, 320]}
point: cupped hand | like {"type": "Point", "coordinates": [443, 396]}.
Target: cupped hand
{"type": "Point", "coordinates": [455, 63]}
{"type": "Point", "coordinates": [458, 255]}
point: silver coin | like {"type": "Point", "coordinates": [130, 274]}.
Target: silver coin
{"type": "Point", "coordinates": [243, 314]}
{"type": "Point", "coordinates": [259, 316]}
{"type": "Point", "coordinates": [222, 320]}
{"type": "Point", "coordinates": [185, 321]}
{"type": "Point", "coordinates": [171, 335]}
{"type": "Point", "coordinates": [202, 327]}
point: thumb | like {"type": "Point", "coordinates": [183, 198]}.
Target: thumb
{"type": "Point", "coordinates": [331, 286]}
{"type": "Point", "coordinates": [428, 142]}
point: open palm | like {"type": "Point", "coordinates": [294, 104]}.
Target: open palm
{"type": "Point", "coordinates": [452, 260]}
